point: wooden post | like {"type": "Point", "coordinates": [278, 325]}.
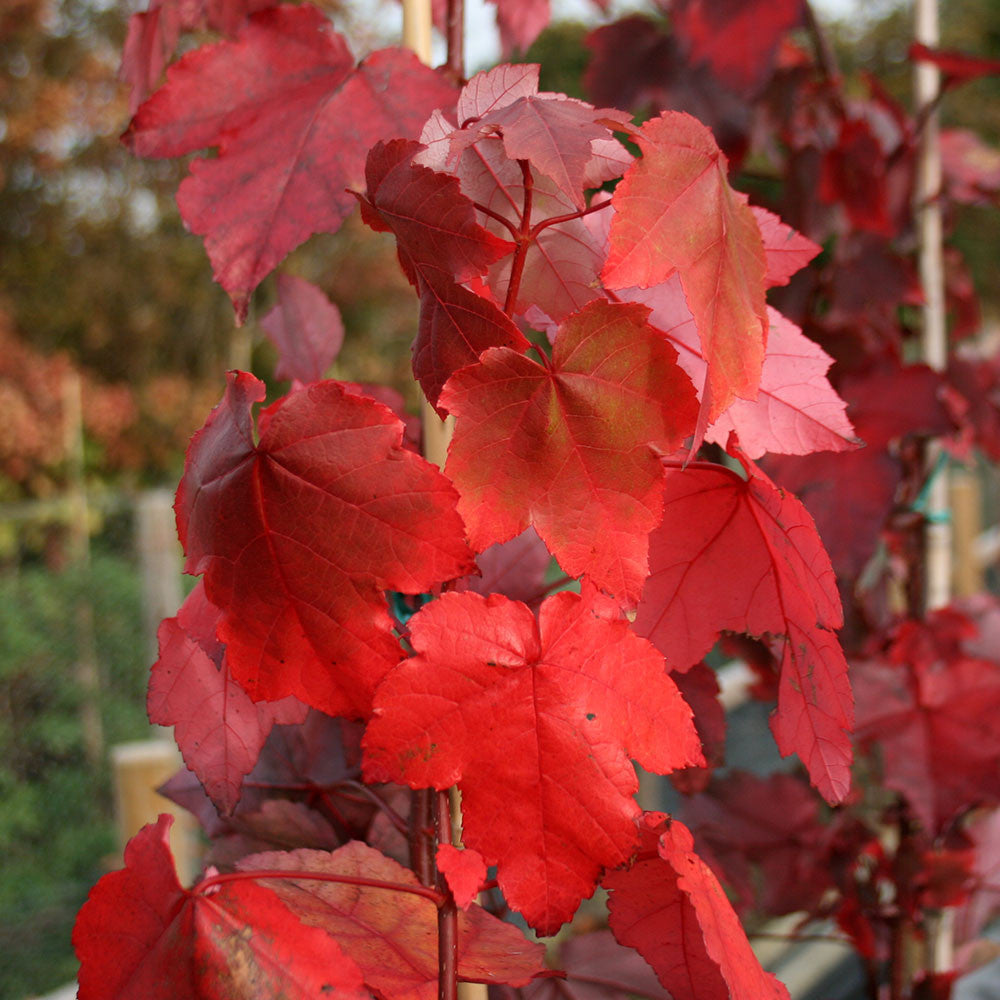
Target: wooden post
{"type": "Point", "coordinates": [934, 337]}
{"type": "Point", "coordinates": [966, 517]}
{"type": "Point", "coordinates": [159, 562]}
{"type": "Point", "coordinates": [138, 770]}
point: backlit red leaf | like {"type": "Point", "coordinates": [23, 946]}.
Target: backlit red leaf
{"type": "Point", "coordinates": [740, 555]}
{"type": "Point", "coordinates": [796, 411]}
{"type": "Point", "coordinates": [392, 936]}
{"type": "Point", "coordinates": [669, 907]}
{"type": "Point", "coordinates": [545, 714]}
{"type": "Point", "coordinates": [299, 534]}
{"type": "Point", "coordinates": [218, 729]}
{"type": "Point", "coordinates": [785, 250]}
{"type": "Point", "coordinates": [306, 328]}
{"type": "Point", "coordinates": [675, 212]}
{"type": "Point", "coordinates": [140, 936]}
{"type": "Point", "coordinates": [290, 140]}
{"type": "Point", "coordinates": [465, 871]}
{"type": "Point", "coordinates": [580, 435]}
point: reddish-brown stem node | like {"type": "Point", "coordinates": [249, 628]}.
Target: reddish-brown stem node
{"type": "Point", "coordinates": [421, 843]}
{"type": "Point", "coordinates": [556, 219]}
{"type": "Point", "coordinates": [455, 36]}
{"type": "Point", "coordinates": [447, 912]}
{"type": "Point", "coordinates": [499, 218]}
{"type": "Point", "coordinates": [295, 876]}
{"type": "Point", "coordinates": [524, 240]}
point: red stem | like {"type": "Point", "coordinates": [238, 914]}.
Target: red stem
{"type": "Point", "coordinates": [397, 821]}
{"type": "Point", "coordinates": [421, 828]}
{"type": "Point", "coordinates": [498, 217]}
{"type": "Point", "coordinates": [455, 36]}
{"type": "Point", "coordinates": [556, 219]}
{"type": "Point", "coordinates": [372, 883]}
{"type": "Point", "coordinates": [523, 240]}
{"type": "Point", "coordinates": [447, 913]}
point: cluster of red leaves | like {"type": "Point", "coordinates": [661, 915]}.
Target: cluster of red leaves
{"type": "Point", "coordinates": [588, 344]}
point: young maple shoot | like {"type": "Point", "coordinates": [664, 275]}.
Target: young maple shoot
{"type": "Point", "coordinates": [370, 631]}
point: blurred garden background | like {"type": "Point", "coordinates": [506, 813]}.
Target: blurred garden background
{"type": "Point", "coordinates": [113, 344]}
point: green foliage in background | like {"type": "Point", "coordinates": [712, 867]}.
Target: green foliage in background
{"type": "Point", "coordinates": [55, 811]}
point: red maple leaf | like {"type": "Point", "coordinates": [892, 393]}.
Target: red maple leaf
{"type": "Point", "coordinates": [675, 212]}
{"type": "Point", "coordinates": [140, 936]}
{"type": "Point", "coordinates": [785, 250]}
{"type": "Point", "coordinates": [392, 936]}
{"type": "Point", "coordinates": [554, 133]}
{"type": "Point", "coordinates": [290, 140]}
{"type": "Point", "coordinates": [440, 245]}
{"type": "Point", "coordinates": [854, 175]}
{"type": "Point", "coordinates": [542, 714]}
{"type": "Point", "coordinates": [306, 328]}
{"type": "Point", "coordinates": [932, 710]}
{"type": "Point", "coordinates": [669, 906]}
{"type": "Point", "coordinates": [737, 38]}
{"type": "Point", "coordinates": [465, 871]}
{"type": "Point", "coordinates": [218, 729]}
{"type": "Point", "coordinates": [515, 569]}
{"type": "Point", "coordinates": [597, 967]}
{"type": "Point", "coordinates": [796, 412]}
{"type": "Point", "coordinates": [769, 823]}
{"type": "Point", "coordinates": [740, 555]}
{"type": "Point", "coordinates": [299, 534]}
{"type": "Point", "coordinates": [153, 35]}
{"type": "Point", "coordinates": [580, 434]}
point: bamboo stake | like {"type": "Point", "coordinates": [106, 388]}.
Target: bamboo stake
{"type": "Point", "coordinates": [934, 339]}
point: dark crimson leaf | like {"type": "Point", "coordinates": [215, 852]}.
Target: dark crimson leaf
{"type": "Point", "coordinates": [771, 824]}
{"type": "Point", "coordinates": [854, 176]}
{"type": "Point", "coordinates": [299, 535]}
{"type": "Point", "coordinates": [392, 936]}
{"type": "Point", "coordinates": [850, 495]}
{"type": "Point", "coordinates": [782, 584]}
{"type": "Point", "coordinates": [737, 38]}
{"type": "Point", "coordinates": [493, 699]}
{"type": "Point", "coordinates": [440, 245]}
{"type": "Point", "coordinates": [306, 328]}
{"type": "Point", "coordinates": [596, 967]}
{"type": "Point", "coordinates": [515, 569]}
{"type": "Point", "coordinates": [668, 906]}
{"type": "Point", "coordinates": [675, 212]}
{"type": "Point", "coordinates": [290, 140]}
{"type": "Point", "coordinates": [932, 710]}
{"type": "Point", "coordinates": [140, 936]}
{"type": "Point", "coordinates": [700, 689]}
{"type": "Point", "coordinates": [636, 64]}
{"type": "Point", "coordinates": [580, 434]}
{"type": "Point", "coordinates": [957, 67]}
{"type": "Point", "coordinates": [218, 729]}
